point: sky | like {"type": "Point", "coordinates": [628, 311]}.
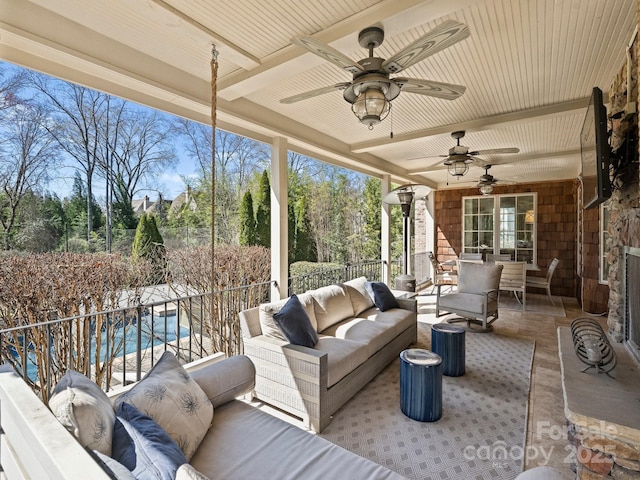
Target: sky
{"type": "Point", "coordinates": [170, 182]}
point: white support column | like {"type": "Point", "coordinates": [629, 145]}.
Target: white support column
{"type": "Point", "coordinates": [385, 238]}
{"type": "Point", "coordinates": [429, 227]}
{"type": "Point", "coordinates": [279, 223]}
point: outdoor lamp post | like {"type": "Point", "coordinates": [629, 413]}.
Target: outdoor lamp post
{"type": "Point", "coordinates": [404, 196]}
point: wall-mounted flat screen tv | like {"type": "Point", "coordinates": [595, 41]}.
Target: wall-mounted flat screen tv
{"type": "Point", "coordinates": [595, 152]}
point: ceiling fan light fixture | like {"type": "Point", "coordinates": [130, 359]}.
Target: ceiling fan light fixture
{"type": "Point", "coordinates": [486, 189]}
{"type": "Point", "coordinates": [371, 107]}
{"type": "Point", "coordinates": [458, 168]}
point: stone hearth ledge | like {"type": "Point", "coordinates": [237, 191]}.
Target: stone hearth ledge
{"type": "Point", "coordinates": [594, 401]}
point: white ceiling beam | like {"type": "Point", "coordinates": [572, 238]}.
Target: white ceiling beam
{"type": "Point", "coordinates": [395, 15]}
{"type": "Point", "coordinates": [479, 124]}
{"type": "Point", "coordinates": [241, 56]}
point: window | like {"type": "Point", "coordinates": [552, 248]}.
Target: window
{"type": "Point", "coordinates": [500, 224]}
{"type": "Point", "coordinates": [604, 236]}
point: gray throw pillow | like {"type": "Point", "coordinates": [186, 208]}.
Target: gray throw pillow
{"type": "Point", "coordinates": [85, 410]}
{"type": "Point", "coordinates": [293, 321]}
{"type": "Point", "coordinates": [175, 401]}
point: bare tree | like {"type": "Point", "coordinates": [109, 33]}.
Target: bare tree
{"type": "Point", "coordinates": [10, 84]}
{"type": "Point", "coordinates": [137, 144]}
{"type": "Point", "coordinates": [79, 115]}
{"type": "Point", "coordinates": [28, 153]}
{"type": "Point", "coordinates": [237, 158]}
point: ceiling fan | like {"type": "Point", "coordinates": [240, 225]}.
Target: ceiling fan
{"type": "Point", "coordinates": [460, 157]}
{"type": "Point", "coordinates": [487, 181]}
{"type": "Point", "coordinates": [371, 91]}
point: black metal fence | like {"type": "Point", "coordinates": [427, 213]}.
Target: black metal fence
{"type": "Point", "coordinates": [115, 347]}
{"type": "Point", "coordinates": [301, 283]}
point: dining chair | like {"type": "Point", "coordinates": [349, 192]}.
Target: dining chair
{"type": "Point", "coordinates": [470, 256]}
{"type": "Point", "coordinates": [440, 275]}
{"type": "Point", "coordinates": [514, 279]}
{"type": "Point", "coordinates": [539, 282]}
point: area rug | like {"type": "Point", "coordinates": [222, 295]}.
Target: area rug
{"type": "Point", "coordinates": [536, 303]}
{"type": "Point", "coordinates": [481, 433]}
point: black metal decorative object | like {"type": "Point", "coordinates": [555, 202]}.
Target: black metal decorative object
{"type": "Point", "coordinates": [592, 345]}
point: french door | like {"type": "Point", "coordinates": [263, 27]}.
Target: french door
{"type": "Point", "coordinates": [500, 224]}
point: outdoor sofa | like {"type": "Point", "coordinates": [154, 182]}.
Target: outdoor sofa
{"type": "Point", "coordinates": [239, 441]}
{"type": "Point", "coordinates": [358, 334]}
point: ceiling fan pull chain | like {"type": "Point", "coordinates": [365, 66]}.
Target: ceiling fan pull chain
{"type": "Point", "coordinates": [391, 121]}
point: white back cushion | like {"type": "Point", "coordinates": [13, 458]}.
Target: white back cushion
{"type": "Point", "coordinates": [332, 305]}
{"type": "Point", "coordinates": [360, 299]}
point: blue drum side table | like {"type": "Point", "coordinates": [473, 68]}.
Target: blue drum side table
{"type": "Point", "coordinates": [421, 385]}
{"type": "Point", "coordinates": [448, 341]}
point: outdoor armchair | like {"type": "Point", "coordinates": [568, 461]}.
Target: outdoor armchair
{"type": "Point", "coordinates": [476, 300]}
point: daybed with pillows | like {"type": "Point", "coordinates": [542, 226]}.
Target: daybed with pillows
{"type": "Point", "coordinates": [314, 351]}
{"type": "Point", "coordinates": [174, 423]}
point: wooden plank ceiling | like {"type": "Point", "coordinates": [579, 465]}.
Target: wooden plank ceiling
{"type": "Point", "coordinates": [528, 65]}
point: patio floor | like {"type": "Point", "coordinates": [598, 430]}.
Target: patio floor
{"type": "Point", "coordinates": [546, 442]}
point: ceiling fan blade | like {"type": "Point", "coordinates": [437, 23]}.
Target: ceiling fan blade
{"type": "Point", "coordinates": [328, 53]}
{"type": "Point", "coordinates": [315, 93]}
{"type": "Point", "coordinates": [492, 151]}
{"type": "Point", "coordinates": [480, 162]}
{"type": "Point", "coordinates": [433, 168]}
{"type": "Point", "coordinates": [441, 37]}
{"type": "Point", "coordinates": [447, 91]}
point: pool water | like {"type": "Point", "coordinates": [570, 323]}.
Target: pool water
{"type": "Point", "coordinates": [126, 339]}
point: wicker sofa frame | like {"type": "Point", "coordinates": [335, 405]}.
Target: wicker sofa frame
{"type": "Point", "coordinates": [294, 378]}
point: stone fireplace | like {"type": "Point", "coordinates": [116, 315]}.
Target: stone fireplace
{"type": "Point", "coordinates": [631, 301]}
{"type": "Point", "coordinates": [603, 412]}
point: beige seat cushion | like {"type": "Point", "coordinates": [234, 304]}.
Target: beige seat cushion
{"type": "Point", "coordinates": [360, 299]}
{"type": "Point", "coordinates": [247, 443]}
{"type": "Point", "coordinates": [332, 305]}
{"type": "Point", "coordinates": [400, 318]}
{"type": "Point", "coordinates": [468, 302]}
{"type": "Point", "coordinates": [375, 335]}
{"type": "Point", "coordinates": [343, 356]}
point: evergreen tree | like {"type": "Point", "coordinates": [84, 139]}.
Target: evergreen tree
{"type": "Point", "coordinates": [124, 218]}
{"type": "Point", "coordinates": [263, 212]}
{"type": "Point", "coordinates": [372, 227]}
{"type": "Point", "coordinates": [291, 230]}
{"type": "Point", "coordinates": [305, 245]}
{"type": "Point", "coordinates": [247, 221]}
{"type": "Point", "coordinates": [148, 244]}
{"type": "Point", "coordinates": [76, 209]}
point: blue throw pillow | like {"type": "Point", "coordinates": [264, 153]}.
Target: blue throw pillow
{"type": "Point", "coordinates": [295, 324]}
{"type": "Point", "coordinates": [141, 445]}
{"type": "Point", "coordinates": [381, 296]}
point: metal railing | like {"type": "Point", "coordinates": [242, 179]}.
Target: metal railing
{"type": "Point", "coordinates": [117, 346]}
{"type": "Point", "coordinates": [310, 281]}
